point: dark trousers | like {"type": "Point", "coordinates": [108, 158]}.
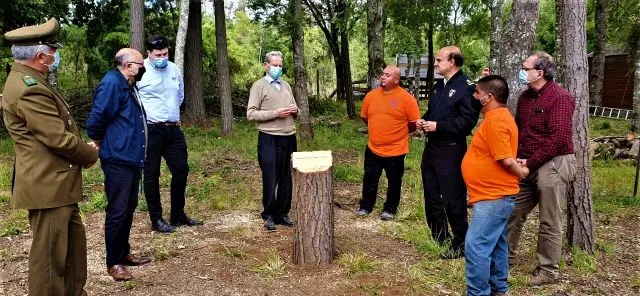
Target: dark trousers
{"type": "Point", "coordinates": [167, 142]}
{"type": "Point", "coordinates": [58, 256]}
{"type": "Point", "coordinates": [445, 194]}
{"type": "Point", "coordinates": [121, 187]}
{"type": "Point", "coordinates": [394, 169]}
{"type": "Point", "coordinates": [274, 156]}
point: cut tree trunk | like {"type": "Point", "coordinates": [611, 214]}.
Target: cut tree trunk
{"type": "Point", "coordinates": [194, 102]}
{"type": "Point", "coordinates": [181, 36]}
{"type": "Point", "coordinates": [596, 76]}
{"type": "Point", "coordinates": [313, 240]}
{"type": "Point", "coordinates": [580, 231]}
{"type": "Point", "coordinates": [516, 46]}
{"type": "Point", "coordinates": [224, 80]}
{"type": "Point", "coordinates": [136, 22]}
{"type": "Point", "coordinates": [375, 39]}
{"type": "Point", "coordinates": [301, 78]}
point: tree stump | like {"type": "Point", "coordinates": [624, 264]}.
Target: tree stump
{"type": "Point", "coordinates": [313, 242]}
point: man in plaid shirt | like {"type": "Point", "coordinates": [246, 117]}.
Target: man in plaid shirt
{"type": "Point", "coordinates": [544, 120]}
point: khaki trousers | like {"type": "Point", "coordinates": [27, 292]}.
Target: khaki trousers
{"type": "Point", "coordinates": [547, 188]}
{"type": "Point", "coordinates": [58, 256]}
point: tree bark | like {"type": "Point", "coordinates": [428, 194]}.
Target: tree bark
{"type": "Point", "coordinates": [224, 80]}
{"type": "Point", "coordinates": [313, 239]}
{"type": "Point", "coordinates": [636, 89]}
{"type": "Point", "coordinates": [301, 78]}
{"type": "Point", "coordinates": [194, 103]}
{"type": "Point", "coordinates": [346, 74]}
{"type": "Point", "coordinates": [559, 47]}
{"type": "Point", "coordinates": [375, 39]}
{"type": "Point", "coordinates": [517, 44]}
{"type": "Point", "coordinates": [596, 76]}
{"type": "Point", "coordinates": [580, 231]}
{"type": "Point", "coordinates": [181, 35]}
{"type": "Point", "coordinates": [136, 22]}
{"type": "Point", "coordinates": [496, 35]}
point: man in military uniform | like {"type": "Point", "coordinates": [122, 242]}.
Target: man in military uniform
{"type": "Point", "coordinates": [50, 155]}
{"type": "Point", "coordinates": [450, 117]}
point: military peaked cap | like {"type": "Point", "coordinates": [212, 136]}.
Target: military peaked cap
{"type": "Point", "coordinates": [43, 34]}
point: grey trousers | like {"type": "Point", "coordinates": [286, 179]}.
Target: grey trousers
{"type": "Point", "coordinates": [547, 187]}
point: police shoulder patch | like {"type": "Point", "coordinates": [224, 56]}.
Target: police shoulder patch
{"type": "Point", "coordinates": [29, 81]}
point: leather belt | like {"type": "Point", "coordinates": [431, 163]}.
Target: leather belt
{"type": "Point", "coordinates": [166, 123]}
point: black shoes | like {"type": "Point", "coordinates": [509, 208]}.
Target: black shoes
{"type": "Point", "coordinates": [161, 226]}
{"type": "Point", "coordinates": [284, 220]}
{"type": "Point", "coordinates": [269, 224]}
{"type": "Point", "coordinates": [186, 221]}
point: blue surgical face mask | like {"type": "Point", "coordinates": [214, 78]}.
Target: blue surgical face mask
{"type": "Point", "coordinates": [522, 77]}
{"type": "Point", "coordinates": [275, 72]}
{"type": "Point", "coordinates": [56, 61]}
{"type": "Point", "coordinates": [160, 62]}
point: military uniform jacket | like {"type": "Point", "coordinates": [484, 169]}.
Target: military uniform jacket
{"type": "Point", "coordinates": [452, 107]}
{"type": "Point", "coordinates": [49, 150]}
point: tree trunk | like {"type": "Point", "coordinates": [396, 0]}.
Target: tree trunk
{"type": "Point", "coordinates": [181, 35]}
{"type": "Point", "coordinates": [430, 67]}
{"type": "Point", "coordinates": [636, 89]}
{"type": "Point", "coordinates": [496, 35]}
{"type": "Point", "coordinates": [313, 239]}
{"type": "Point", "coordinates": [559, 48]}
{"type": "Point", "coordinates": [301, 79]}
{"type": "Point", "coordinates": [516, 46]}
{"type": "Point", "coordinates": [596, 76]}
{"type": "Point", "coordinates": [224, 80]}
{"type": "Point", "coordinates": [375, 39]}
{"type": "Point", "coordinates": [136, 22]}
{"type": "Point", "coordinates": [346, 74]}
{"type": "Point", "coordinates": [580, 231]}
{"type": "Point", "coordinates": [194, 103]}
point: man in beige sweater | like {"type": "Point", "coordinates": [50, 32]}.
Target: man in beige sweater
{"type": "Point", "coordinates": [272, 106]}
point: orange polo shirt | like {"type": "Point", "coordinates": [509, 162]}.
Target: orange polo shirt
{"type": "Point", "coordinates": [388, 115]}
{"type": "Point", "coordinates": [495, 139]}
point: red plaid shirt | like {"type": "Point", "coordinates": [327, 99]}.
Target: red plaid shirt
{"type": "Point", "coordinates": [544, 119]}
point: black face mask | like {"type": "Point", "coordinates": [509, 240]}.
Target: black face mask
{"type": "Point", "coordinates": [138, 76]}
{"type": "Point", "coordinates": [476, 104]}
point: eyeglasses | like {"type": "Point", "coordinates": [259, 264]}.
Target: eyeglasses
{"type": "Point", "coordinates": [139, 64]}
{"type": "Point", "coordinates": [528, 69]}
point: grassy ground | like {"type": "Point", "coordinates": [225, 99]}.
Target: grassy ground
{"type": "Point", "coordinates": [375, 258]}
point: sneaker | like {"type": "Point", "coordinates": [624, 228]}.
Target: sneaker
{"type": "Point", "coordinates": [386, 216]}
{"type": "Point", "coordinates": [544, 278]}
{"type": "Point", "coordinates": [362, 212]}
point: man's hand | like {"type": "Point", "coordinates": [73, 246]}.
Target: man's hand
{"type": "Point", "coordinates": [293, 109]}
{"type": "Point", "coordinates": [94, 145]}
{"type": "Point", "coordinates": [283, 112]}
{"type": "Point", "coordinates": [429, 126]}
{"type": "Point", "coordinates": [420, 124]}
{"type": "Point", "coordinates": [522, 162]}
{"type": "Point", "coordinates": [525, 172]}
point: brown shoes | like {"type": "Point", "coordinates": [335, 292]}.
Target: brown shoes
{"type": "Point", "coordinates": [543, 277]}
{"type": "Point", "coordinates": [132, 260]}
{"type": "Point", "coordinates": [119, 273]}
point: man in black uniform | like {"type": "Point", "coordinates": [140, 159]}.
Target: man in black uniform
{"type": "Point", "coordinates": [450, 117]}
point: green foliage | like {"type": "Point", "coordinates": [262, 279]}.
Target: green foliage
{"type": "Point", "coordinates": [96, 202]}
{"type": "Point", "coordinates": [357, 263]}
{"type": "Point", "coordinates": [584, 262]}
{"type": "Point", "coordinates": [16, 223]}
{"type": "Point", "coordinates": [272, 267]}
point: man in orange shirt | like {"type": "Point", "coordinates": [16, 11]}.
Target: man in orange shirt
{"type": "Point", "coordinates": [390, 113]}
{"type": "Point", "coordinates": [491, 173]}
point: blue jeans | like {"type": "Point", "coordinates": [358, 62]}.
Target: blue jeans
{"type": "Point", "coordinates": [486, 248]}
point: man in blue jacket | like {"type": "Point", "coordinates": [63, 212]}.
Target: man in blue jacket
{"type": "Point", "coordinates": [117, 125]}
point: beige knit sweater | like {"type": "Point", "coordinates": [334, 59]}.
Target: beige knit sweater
{"type": "Point", "coordinates": [264, 99]}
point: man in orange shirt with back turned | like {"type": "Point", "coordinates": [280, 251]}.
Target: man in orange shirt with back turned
{"type": "Point", "coordinates": [390, 113]}
{"type": "Point", "coordinates": [491, 172]}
